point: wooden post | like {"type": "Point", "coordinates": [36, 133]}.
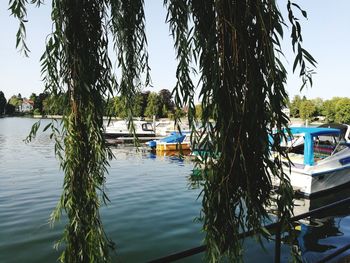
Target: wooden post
{"type": "Point", "coordinates": [278, 245]}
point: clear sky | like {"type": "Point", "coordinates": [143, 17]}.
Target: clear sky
{"type": "Point", "coordinates": [326, 36]}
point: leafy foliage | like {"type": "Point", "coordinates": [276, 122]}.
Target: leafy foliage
{"type": "Point", "coordinates": [307, 109]}
{"type": "Point", "coordinates": [76, 62]}
{"type": "Point", "coordinates": [10, 109]}
{"type": "Point", "coordinates": [152, 108]}
{"type": "Point", "coordinates": [295, 106]}
{"type": "Point", "coordinates": [303, 57]}
{"type": "Point", "coordinates": [166, 101]}
{"type": "Point", "coordinates": [15, 101]}
{"type": "Point", "coordinates": [55, 104]}
{"type": "Point", "coordinates": [343, 111]}
{"type": "Point", "coordinates": [2, 103]}
{"type": "Point", "coordinates": [242, 88]}
{"type": "Point", "coordinates": [329, 109]}
{"type": "Point", "coordinates": [39, 102]}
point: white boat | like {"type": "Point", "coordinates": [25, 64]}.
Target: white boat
{"type": "Point", "coordinates": [320, 164]}
{"type": "Point", "coordinates": [118, 129]}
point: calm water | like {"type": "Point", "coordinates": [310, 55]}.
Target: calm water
{"type": "Point", "coordinates": [151, 213]}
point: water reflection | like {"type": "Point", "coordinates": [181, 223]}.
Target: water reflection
{"type": "Point", "coordinates": [323, 234]}
{"type": "Point", "coordinates": [317, 236]}
{"type": "Point", "coordinates": [150, 214]}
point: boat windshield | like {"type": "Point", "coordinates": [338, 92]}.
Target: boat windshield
{"type": "Point", "coordinates": [323, 145]}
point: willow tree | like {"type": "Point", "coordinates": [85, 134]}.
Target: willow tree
{"type": "Point", "coordinates": [235, 45]}
{"type": "Point", "coordinates": [76, 61]}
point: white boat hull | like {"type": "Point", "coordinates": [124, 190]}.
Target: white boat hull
{"type": "Point", "coordinates": [118, 129]}
{"type": "Point", "coordinates": [326, 175]}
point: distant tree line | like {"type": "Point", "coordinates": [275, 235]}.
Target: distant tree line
{"type": "Point", "coordinates": [9, 107]}
{"type": "Point", "coordinates": [336, 109]}
{"type": "Point", "coordinates": [147, 104]}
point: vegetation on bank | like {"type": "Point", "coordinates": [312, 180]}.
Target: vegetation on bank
{"type": "Point", "coordinates": [336, 109]}
{"type": "Point", "coordinates": [147, 104]}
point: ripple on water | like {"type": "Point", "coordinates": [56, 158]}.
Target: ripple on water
{"type": "Point", "coordinates": [150, 214]}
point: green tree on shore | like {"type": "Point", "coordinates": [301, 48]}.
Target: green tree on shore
{"type": "Point", "coordinates": [33, 96]}
{"type": "Point", "coordinates": [153, 103]}
{"type": "Point", "coordinates": [16, 101]}
{"type": "Point", "coordinates": [318, 102]}
{"type": "Point", "coordinates": [342, 110]}
{"type": "Point", "coordinates": [54, 104]}
{"type": "Point", "coordinates": [2, 103]}
{"type": "Point", "coordinates": [307, 109]}
{"type": "Point", "coordinates": [166, 103]}
{"type": "Point", "coordinates": [10, 109]}
{"type": "Point", "coordinates": [329, 109]}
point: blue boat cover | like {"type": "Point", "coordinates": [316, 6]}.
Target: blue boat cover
{"type": "Point", "coordinates": [309, 134]}
{"type": "Point", "coordinates": [175, 137]}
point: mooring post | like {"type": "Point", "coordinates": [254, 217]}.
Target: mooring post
{"type": "Point", "coordinates": [278, 244]}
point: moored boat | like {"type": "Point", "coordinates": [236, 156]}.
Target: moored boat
{"type": "Point", "coordinates": [119, 129]}
{"type": "Point", "coordinates": [176, 141]}
{"type": "Point", "coordinates": [175, 146]}
{"type": "Point", "coordinates": [320, 164]}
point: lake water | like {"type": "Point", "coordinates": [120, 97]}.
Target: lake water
{"type": "Point", "coordinates": [151, 213]}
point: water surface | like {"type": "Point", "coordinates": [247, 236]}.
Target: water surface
{"type": "Point", "coordinates": [151, 213]}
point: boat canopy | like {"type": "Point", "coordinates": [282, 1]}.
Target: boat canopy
{"type": "Point", "coordinates": [309, 133]}
{"type": "Point", "coordinates": [315, 131]}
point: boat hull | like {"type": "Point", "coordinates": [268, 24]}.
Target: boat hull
{"type": "Point", "coordinates": [120, 129]}
{"type": "Point", "coordinates": [172, 146]}
{"type": "Point", "coordinates": [127, 134]}
{"type": "Point", "coordinates": [312, 184]}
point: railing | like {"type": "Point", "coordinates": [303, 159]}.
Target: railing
{"type": "Point", "coordinates": [274, 226]}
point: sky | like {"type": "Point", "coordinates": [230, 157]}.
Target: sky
{"type": "Point", "coordinates": [326, 35]}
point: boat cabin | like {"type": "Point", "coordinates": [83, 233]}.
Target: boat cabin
{"type": "Point", "coordinates": [310, 145]}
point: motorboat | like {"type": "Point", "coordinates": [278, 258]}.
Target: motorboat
{"type": "Point", "coordinates": [176, 141]}
{"type": "Point", "coordinates": [119, 129]}
{"type": "Point", "coordinates": [299, 140]}
{"type": "Point", "coordinates": [318, 165]}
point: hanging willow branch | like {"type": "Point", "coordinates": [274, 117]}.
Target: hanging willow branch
{"type": "Point", "coordinates": [235, 44]}
{"type": "Point", "coordinates": [76, 62]}
{"type": "Point", "coordinates": [128, 23]}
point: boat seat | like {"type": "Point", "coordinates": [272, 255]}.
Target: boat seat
{"type": "Point", "coordinates": [322, 151]}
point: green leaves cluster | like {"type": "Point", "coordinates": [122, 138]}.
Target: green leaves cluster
{"type": "Point", "coordinates": [16, 100]}
{"type": "Point", "coordinates": [336, 109]}
{"type": "Point", "coordinates": [76, 63]}
{"type": "Point", "coordinates": [303, 57]}
{"type": "Point", "coordinates": [236, 45]}
{"type": "Point", "coordinates": [146, 104]}
{"type": "Point", "coordinates": [2, 103]}
{"type": "Point", "coordinates": [307, 109]}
